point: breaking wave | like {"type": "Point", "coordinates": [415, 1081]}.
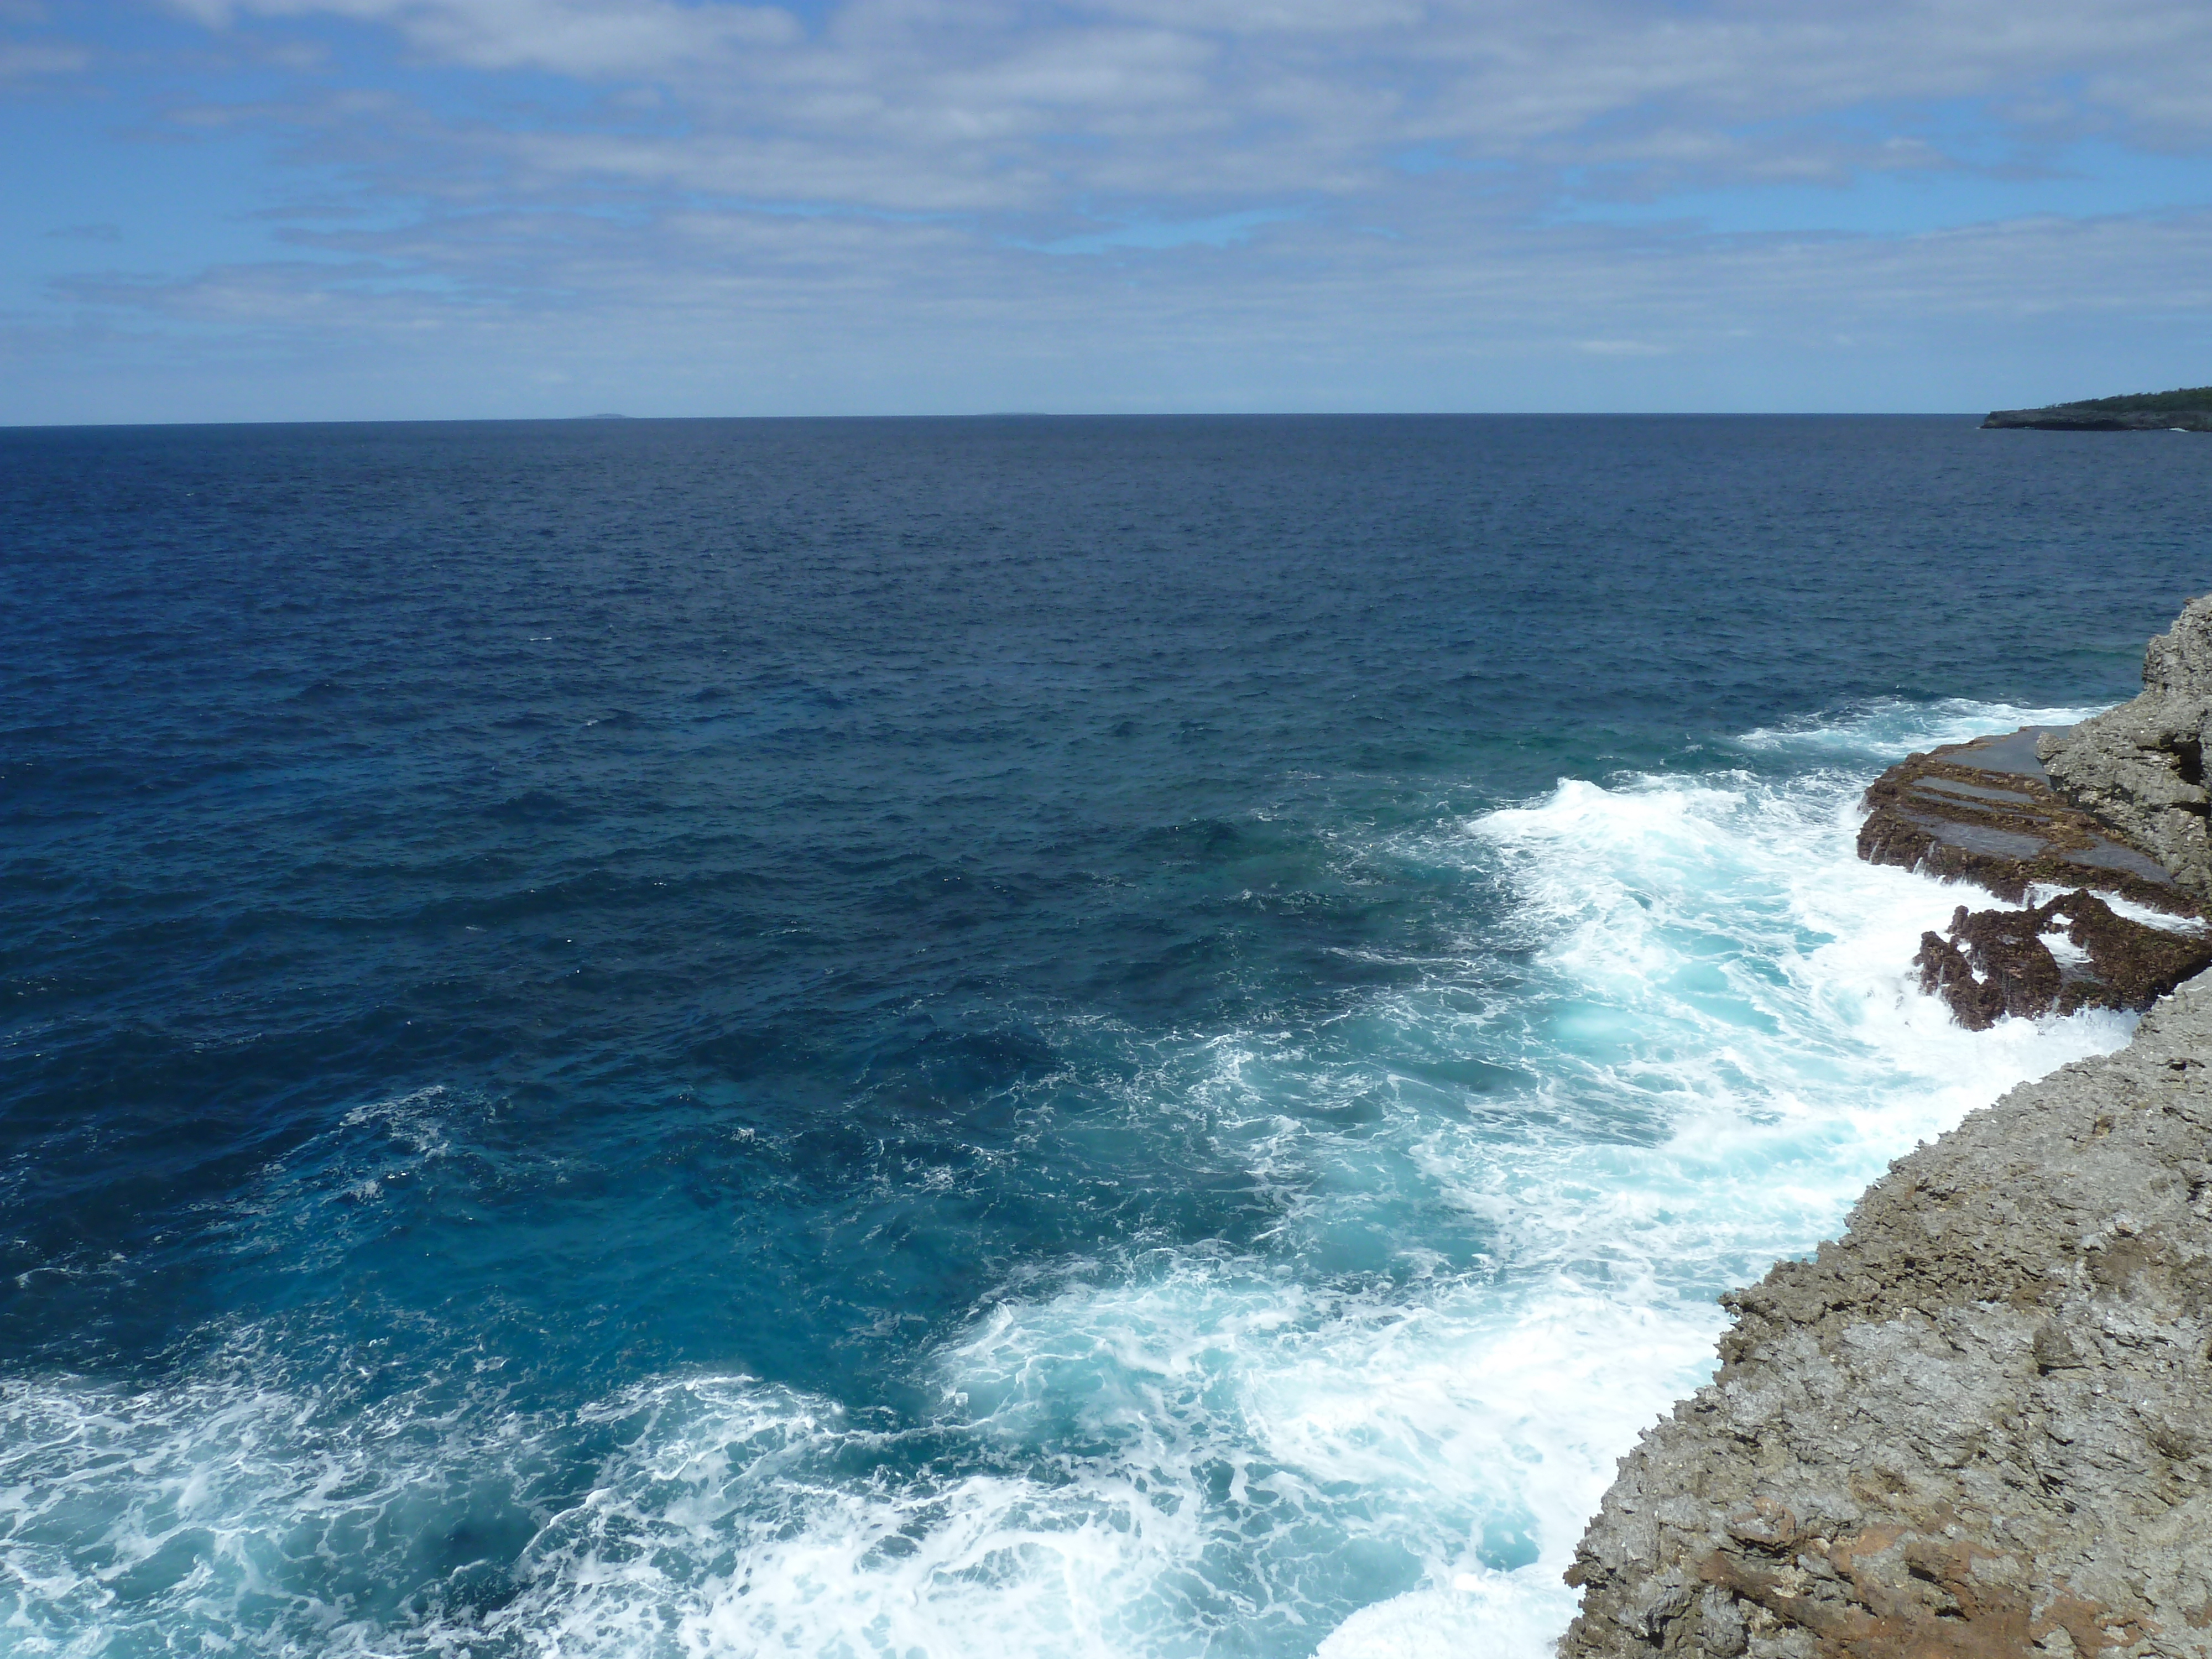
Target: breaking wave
{"type": "Point", "coordinates": [1506, 1196]}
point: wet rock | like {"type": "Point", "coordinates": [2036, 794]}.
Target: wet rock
{"type": "Point", "coordinates": [1986, 811]}
{"type": "Point", "coordinates": [1995, 963]}
{"type": "Point", "coordinates": [2134, 964]}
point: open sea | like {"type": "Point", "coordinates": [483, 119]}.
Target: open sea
{"type": "Point", "coordinates": [1133, 1038]}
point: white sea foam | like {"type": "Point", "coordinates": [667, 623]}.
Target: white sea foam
{"type": "Point", "coordinates": [2044, 892]}
{"type": "Point", "coordinates": [1377, 1434]}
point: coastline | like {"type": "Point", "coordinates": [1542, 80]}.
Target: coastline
{"type": "Point", "coordinates": [1976, 1423]}
{"type": "Point", "coordinates": [1971, 1424]}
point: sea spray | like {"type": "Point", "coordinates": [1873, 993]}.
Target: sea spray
{"type": "Point", "coordinates": [1677, 1042]}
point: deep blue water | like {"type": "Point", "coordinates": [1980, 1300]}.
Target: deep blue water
{"type": "Point", "coordinates": [947, 1036]}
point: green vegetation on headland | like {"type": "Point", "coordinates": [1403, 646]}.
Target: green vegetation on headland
{"type": "Point", "coordinates": [2191, 397]}
{"type": "Point", "coordinates": [2187, 407]}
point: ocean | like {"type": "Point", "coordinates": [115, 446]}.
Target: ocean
{"type": "Point", "coordinates": [1121, 1037]}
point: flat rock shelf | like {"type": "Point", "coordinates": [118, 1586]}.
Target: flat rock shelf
{"type": "Point", "coordinates": [1987, 812]}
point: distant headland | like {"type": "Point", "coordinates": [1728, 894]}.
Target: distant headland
{"type": "Point", "coordinates": [2188, 408]}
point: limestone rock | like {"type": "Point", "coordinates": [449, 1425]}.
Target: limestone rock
{"type": "Point", "coordinates": [1987, 812]}
{"type": "Point", "coordinates": [2140, 768]}
{"type": "Point", "coordinates": [1980, 1424]}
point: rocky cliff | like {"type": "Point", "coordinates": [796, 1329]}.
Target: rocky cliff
{"type": "Point", "coordinates": [1980, 1424]}
{"type": "Point", "coordinates": [2140, 768]}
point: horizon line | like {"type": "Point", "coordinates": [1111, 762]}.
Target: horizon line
{"type": "Point", "coordinates": [1030, 415]}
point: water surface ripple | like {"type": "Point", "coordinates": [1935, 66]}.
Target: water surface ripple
{"type": "Point", "coordinates": [1121, 1037]}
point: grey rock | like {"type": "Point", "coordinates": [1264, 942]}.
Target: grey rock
{"type": "Point", "coordinates": [2140, 768]}
{"type": "Point", "coordinates": [1979, 1424]}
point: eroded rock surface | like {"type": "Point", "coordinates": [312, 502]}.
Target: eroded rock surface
{"type": "Point", "coordinates": [1980, 1424]}
{"type": "Point", "coordinates": [2140, 768]}
{"type": "Point", "coordinates": [1996, 963]}
{"type": "Point", "coordinates": [1987, 812]}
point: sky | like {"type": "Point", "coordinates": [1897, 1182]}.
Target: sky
{"type": "Point", "coordinates": [289, 209]}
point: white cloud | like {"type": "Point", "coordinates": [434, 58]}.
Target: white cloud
{"type": "Point", "coordinates": [26, 58]}
{"type": "Point", "coordinates": [1205, 106]}
{"type": "Point", "coordinates": [593, 38]}
{"type": "Point", "coordinates": [729, 185]}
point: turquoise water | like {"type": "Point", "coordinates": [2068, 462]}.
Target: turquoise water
{"type": "Point", "coordinates": [938, 1038]}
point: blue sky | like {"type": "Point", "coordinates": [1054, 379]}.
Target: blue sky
{"type": "Point", "coordinates": [239, 210]}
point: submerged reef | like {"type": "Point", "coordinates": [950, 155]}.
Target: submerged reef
{"type": "Point", "coordinates": [1980, 1423]}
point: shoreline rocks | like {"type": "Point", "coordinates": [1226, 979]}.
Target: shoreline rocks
{"type": "Point", "coordinates": [1979, 1424]}
{"type": "Point", "coordinates": [1995, 963]}
{"type": "Point", "coordinates": [2140, 768]}
{"type": "Point", "coordinates": [1989, 812]}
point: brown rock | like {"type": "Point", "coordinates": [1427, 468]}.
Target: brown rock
{"type": "Point", "coordinates": [1995, 963]}
{"type": "Point", "coordinates": [1985, 811]}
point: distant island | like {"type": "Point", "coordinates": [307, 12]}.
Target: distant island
{"type": "Point", "coordinates": [2188, 408]}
